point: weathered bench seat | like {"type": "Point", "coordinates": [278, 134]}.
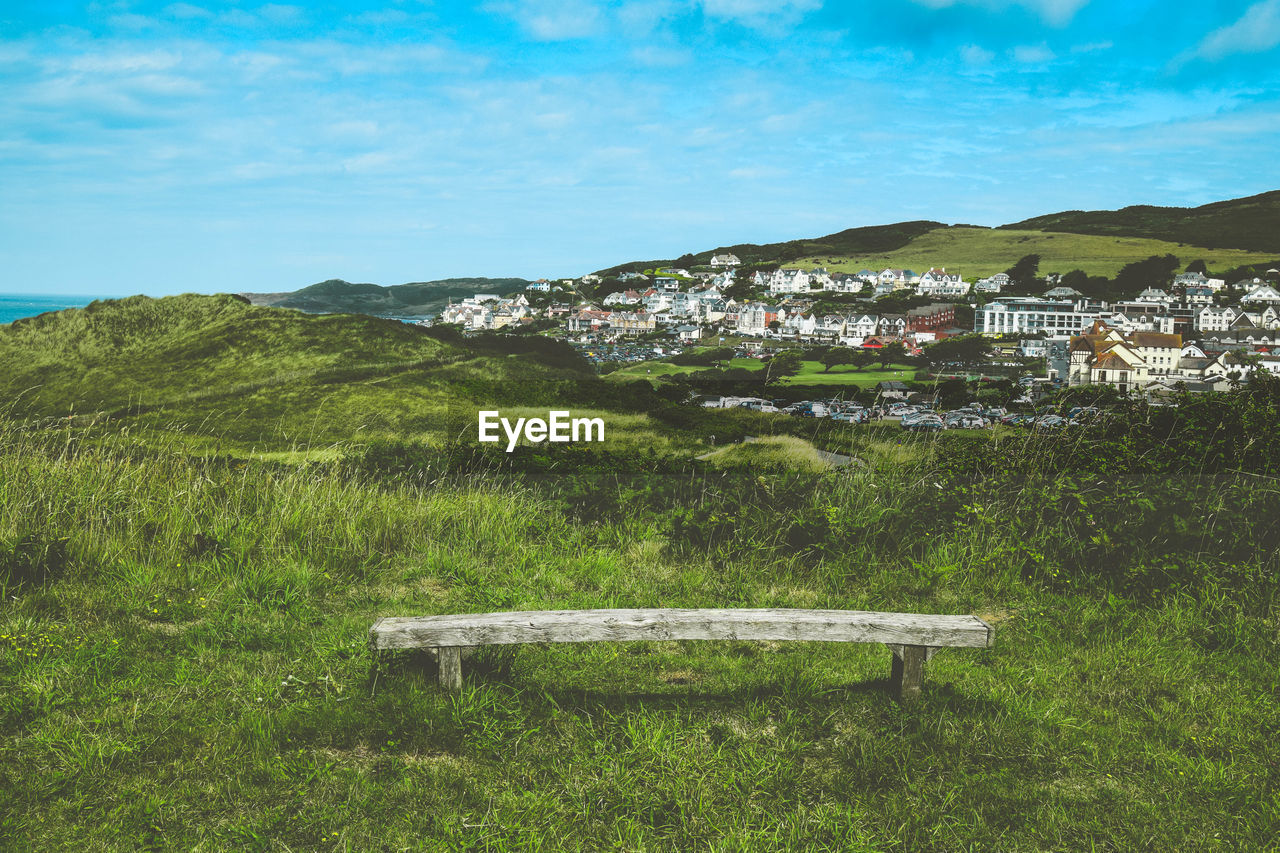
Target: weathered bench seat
{"type": "Point", "coordinates": [911, 636]}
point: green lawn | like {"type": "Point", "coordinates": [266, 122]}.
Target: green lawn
{"type": "Point", "coordinates": [812, 373]}
{"type": "Point", "coordinates": [978, 252]}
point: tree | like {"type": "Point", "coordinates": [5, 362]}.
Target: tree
{"type": "Point", "coordinates": [1096, 287]}
{"type": "Point", "coordinates": [836, 356]}
{"type": "Point", "coordinates": [863, 358]}
{"type": "Point", "coordinates": [785, 363]}
{"type": "Point", "coordinates": [718, 354]}
{"type": "Point", "coordinates": [740, 290]}
{"type": "Point", "coordinates": [1155, 271]}
{"type": "Point", "coordinates": [815, 353]}
{"type": "Point", "coordinates": [964, 350]}
{"type": "Point", "coordinates": [1024, 272]}
{"type": "Point", "coordinates": [890, 353]}
{"type": "Point", "coordinates": [953, 393]}
{"type": "Point", "coordinates": [1198, 266]}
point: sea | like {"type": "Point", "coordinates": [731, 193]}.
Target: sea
{"type": "Point", "coordinates": [15, 306]}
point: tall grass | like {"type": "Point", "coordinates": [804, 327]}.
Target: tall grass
{"type": "Point", "coordinates": [182, 666]}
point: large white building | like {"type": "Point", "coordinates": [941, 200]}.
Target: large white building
{"type": "Point", "coordinates": [1028, 315]}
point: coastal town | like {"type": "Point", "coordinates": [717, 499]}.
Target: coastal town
{"type": "Point", "coordinates": [1188, 331]}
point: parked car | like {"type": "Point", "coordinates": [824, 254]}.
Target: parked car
{"type": "Point", "coordinates": [1050, 422]}
{"type": "Point", "coordinates": [966, 422]}
{"type": "Point", "coordinates": [924, 425]}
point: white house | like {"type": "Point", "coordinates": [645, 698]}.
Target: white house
{"type": "Point", "coordinates": [789, 281]}
{"type": "Point", "coordinates": [938, 282]}
{"type": "Point", "coordinates": [1211, 319]}
{"type": "Point", "coordinates": [622, 297]}
{"type": "Point", "coordinates": [1197, 279]}
{"type": "Point", "coordinates": [1155, 296]}
{"type": "Point", "coordinates": [1262, 294]}
{"type": "Point", "coordinates": [1197, 296]}
{"type": "Point", "coordinates": [899, 278]}
{"type": "Point", "coordinates": [991, 284]}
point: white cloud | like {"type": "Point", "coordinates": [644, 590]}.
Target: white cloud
{"type": "Point", "coordinates": [1256, 31]}
{"type": "Point", "coordinates": [975, 55]}
{"type": "Point", "coordinates": [757, 13]}
{"type": "Point", "coordinates": [656, 56]}
{"type": "Point", "coordinates": [552, 20]}
{"type": "Point", "coordinates": [642, 18]}
{"type": "Point", "coordinates": [186, 11]}
{"type": "Point", "coordinates": [124, 63]}
{"type": "Point", "coordinates": [130, 21]}
{"type": "Point", "coordinates": [1033, 54]}
{"type": "Point", "coordinates": [1055, 12]}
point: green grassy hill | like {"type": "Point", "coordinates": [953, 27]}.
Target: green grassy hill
{"type": "Point", "coordinates": [851, 241]}
{"type": "Point", "coordinates": [214, 374]}
{"type": "Point", "coordinates": [422, 298]}
{"type": "Point", "coordinates": [1251, 223]}
{"type": "Point", "coordinates": [1224, 234]}
{"type": "Point", "coordinates": [977, 252]}
{"type": "Point", "coordinates": [264, 377]}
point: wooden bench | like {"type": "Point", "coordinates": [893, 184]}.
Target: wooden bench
{"type": "Point", "coordinates": [913, 637]}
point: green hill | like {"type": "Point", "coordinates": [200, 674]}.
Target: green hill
{"type": "Point", "coordinates": [1251, 223]}
{"type": "Point", "coordinates": [851, 241]}
{"type": "Point", "coordinates": [976, 252]}
{"type": "Point", "coordinates": [420, 298]}
{"type": "Point", "coordinates": [264, 377]}
{"type": "Point", "coordinates": [1224, 234]}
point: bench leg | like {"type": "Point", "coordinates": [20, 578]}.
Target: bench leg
{"type": "Point", "coordinates": [908, 672]}
{"type": "Point", "coordinates": [450, 658]}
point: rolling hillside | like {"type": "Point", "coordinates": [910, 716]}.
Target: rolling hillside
{"type": "Point", "coordinates": [416, 299]}
{"type": "Point", "coordinates": [1224, 234]}
{"type": "Point", "coordinates": [1251, 223]}
{"type": "Point", "coordinates": [870, 239]}
{"type": "Point", "coordinates": [216, 367]}
{"type": "Point", "coordinates": [976, 252]}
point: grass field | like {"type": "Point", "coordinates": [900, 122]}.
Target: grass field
{"type": "Point", "coordinates": [811, 372]}
{"type": "Point", "coordinates": [979, 252]}
{"type": "Point", "coordinates": [184, 668]}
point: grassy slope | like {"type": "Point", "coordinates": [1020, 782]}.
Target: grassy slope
{"type": "Point", "coordinates": [774, 454]}
{"type": "Point", "coordinates": [196, 678]}
{"type": "Point", "coordinates": [1250, 225]}
{"type": "Point", "coordinates": [413, 299]}
{"type": "Point", "coordinates": [227, 375]}
{"type": "Point", "coordinates": [872, 238]}
{"type": "Point", "coordinates": [1243, 223]}
{"type": "Point", "coordinates": [978, 252]}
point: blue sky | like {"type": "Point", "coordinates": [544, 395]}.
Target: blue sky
{"type": "Point", "coordinates": [194, 146]}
